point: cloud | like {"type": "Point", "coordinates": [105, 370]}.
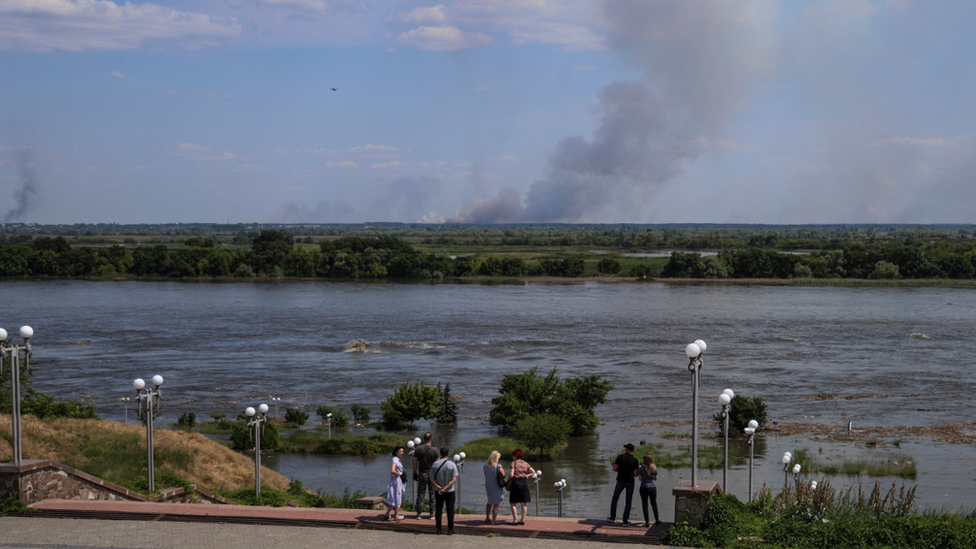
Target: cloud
{"type": "Point", "coordinates": [345, 164]}
{"type": "Point", "coordinates": [116, 74]}
{"type": "Point", "coordinates": [323, 211]}
{"type": "Point", "coordinates": [385, 165]}
{"type": "Point", "coordinates": [569, 37]}
{"type": "Point", "coordinates": [433, 14]}
{"type": "Point", "coordinates": [201, 152]}
{"type": "Point", "coordinates": [443, 38]}
{"type": "Point", "coordinates": [25, 197]}
{"type": "Point", "coordinates": [313, 5]}
{"type": "Point", "coordinates": [912, 141]}
{"type": "Point", "coordinates": [82, 25]}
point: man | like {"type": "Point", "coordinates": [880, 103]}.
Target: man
{"type": "Point", "coordinates": [423, 456]}
{"type": "Point", "coordinates": [626, 467]}
{"type": "Point", "coordinates": [443, 475]}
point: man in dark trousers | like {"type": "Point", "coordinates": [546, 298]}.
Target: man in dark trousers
{"type": "Point", "coordinates": [423, 457]}
{"type": "Point", "coordinates": [443, 475]}
{"type": "Point", "coordinates": [626, 467]}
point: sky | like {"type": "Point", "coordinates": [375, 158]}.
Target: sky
{"type": "Point", "coordinates": [488, 111]}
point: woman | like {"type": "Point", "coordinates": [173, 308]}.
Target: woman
{"type": "Point", "coordinates": [494, 488]}
{"type": "Point", "coordinates": [648, 488]}
{"type": "Point", "coordinates": [521, 470]}
{"type": "Point", "coordinates": [394, 492]}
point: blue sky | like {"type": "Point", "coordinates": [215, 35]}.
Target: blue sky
{"type": "Point", "coordinates": [642, 111]}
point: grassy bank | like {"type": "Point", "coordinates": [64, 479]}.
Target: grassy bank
{"type": "Point", "coordinates": [897, 465]}
{"type": "Point", "coordinates": [314, 442]}
{"type": "Point", "coordinates": [116, 452]}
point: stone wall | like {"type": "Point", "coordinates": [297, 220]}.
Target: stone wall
{"type": "Point", "coordinates": [37, 480]}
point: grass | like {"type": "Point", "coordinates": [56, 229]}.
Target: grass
{"type": "Point", "coordinates": [478, 450]}
{"type": "Point", "coordinates": [313, 442]}
{"type": "Point", "coordinates": [896, 465]}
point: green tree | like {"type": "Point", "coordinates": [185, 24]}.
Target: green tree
{"type": "Point", "coordinates": [743, 410]}
{"type": "Point", "coordinates": [270, 248]}
{"type": "Point", "coordinates": [339, 419]}
{"type": "Point", "coordinates": [608, 266]}
{"type": "Point", "coordinates": [542, 431]}
{"type": "Point", "coordinates": [447, 411]}
{"type": "Point", "coordinates": [296, 416]}
{"type": "Point", "coordinates": [884, 270]}
{"type": "Point", "coordinates": [242, 436]}
{"type": "Point", "coordinates": [527, 394]}
{"type": "Point", "coordinates": [412, 401]}
{"type": "Point", "coordinates": [360, 414]}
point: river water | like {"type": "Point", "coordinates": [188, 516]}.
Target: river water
{"type": "Point", "coordinates": [224, 346]}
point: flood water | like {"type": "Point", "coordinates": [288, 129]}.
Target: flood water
{"type": "Point", "coordinates": [222, 347]}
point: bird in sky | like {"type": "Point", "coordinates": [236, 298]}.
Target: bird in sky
{"type": "Point", "coordinates": [335, 89]}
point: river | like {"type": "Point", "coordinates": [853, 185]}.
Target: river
{"type": "Point", "coordinates": [224, 346]}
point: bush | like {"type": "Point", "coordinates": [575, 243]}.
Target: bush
{"type": "Point", "coordinates": [296, 416]}
{"type": "Point", "coordinates": [608, 266]}
{"type": "Point", "coordinates": [188, 420]}
{"type": "Point", "coordinates": [412, 401]}
{"type": "Point", "coordinates": [447, 412]}
{"type": "Point", "coordinates": [45, 407]}
{"type": "Point", "coordinates": [360, 414]}
{"type": "Point", "coordinates": [743, 410]}
{"type": "Point", "coordinates": [339, 419]}
{"type": "Point", "coordinates": [242, 439]}
{"type": "Point", "coordinates": [541, 431]}
{"type": "Point", "coordinates": [526, 394]}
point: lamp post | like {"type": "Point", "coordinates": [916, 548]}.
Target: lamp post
{"type": "Point", "coordinates": [328, 421]}
{"type": "Point", "coordinates": [275, 401]}
{"type": "Point", "coordinates": [459, 461]}
{"type": "Point", "coordinates": [787, 457]}
{"type": "Point", "coordinates": [796, 475]}
{"type": "Point", "coordinates": [694, 351]}
{"type": "Point", "coordinates": [560, 484]}
{"type": "Point", "coordinates": [14, 351]}
{"type": "Point", "coordinates": [751, 431]}
{"type": "Point", "coordinates": [148, 399]}
{"type": "Point", "coordinates": [725, 399]}
{"type": "Point", "coordinates": [536, 478]}
{"type": "Point", "coordinates": [125, 402]}
{"type": "Point", "coordinates": [412, 444]}
{"type": "Point", "coordinates": [254, 423]}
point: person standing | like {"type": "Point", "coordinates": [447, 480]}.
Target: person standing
{"type": "Point", "coordinates": [648, 488]}
{"type": "Point", "coordinates": [494, 486]}
{"type": "Point", "coordinates": [521, 470]}
{"type": "Point", "coordinates": [626, 466]}
{"type": "Point", "coordinates": [443, 475]}
{"type": "Point", "coordinates": [396, 487]}
{"type": "Point", "coordinates": [423, 457]}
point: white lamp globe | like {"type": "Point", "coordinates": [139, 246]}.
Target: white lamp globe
{"type": "Point", "coordinates": [26, 332]}
{"type": "Point", "coordinates": [796, 469]}
{"type": "Point", "coordinates": [692, 350]}
{"type": "Point", "coordinates": [538, 472]}
{"type": "Point", "coordinates": [724, 399]}
{"type": "Point", "coordinates": [416, 441]}
{"type": "Point", "coordinates": [157, 380]}
{"type": "Point", "coordinates": [701, 345]}
{"type": "Point", "coordinates": [263, 408]}
{"type": "Point", "coordinates": [410, 444]}
{"type": "Point", "coordinates": [139, 384]}
{"type": "Point", "coordinates": [249, 411]}
{"type": "Point", "coordinates": [562, 480]}
{"type": "Point", "coordinates": [749, 430]}
{"type": "Point", "coordinates": [753, 424]}
{"type": "Point", "coordinates": [462, 455]}
{"type": "Point", "coordinates": [457, 458]}
{"type": "Point", "coordinates": [789, 455]}
{"type": "Point", "coordinates": [3, 334]}
{"type": "Point", "coordinates": [729, 392]}
{"type": "Point", "coordinates": [556, 484]}
{"type": "Point", "coordinates": [786, 458]}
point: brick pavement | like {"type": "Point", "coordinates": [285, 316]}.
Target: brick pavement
{"type": "Point", "coordinates": [49, 533]}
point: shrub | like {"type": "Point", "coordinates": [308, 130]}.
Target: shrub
{"type": "Point", "coordinates": [412, 401]}
{"type": "Point", "coordinates": [45, 407]}
{"type": "Point", "coordinates": [526, 394]}
{"type": "Point", "coordinates": [541, 431]}
{"type": "Point", "coordinates": [188, 420]}
{"type": "Point", "coordinates": [339, 419]}
{"type": "Point", "coordinates": [242, 439]}
{"type": "Point", "coordinates": [447, 412]}
{"type": "Point", "coordinates": [743, 410]}
{"type": "Point", "coordinates": [296, 416]}
{"type": "Point", "coordinates": [360, 414]}
{"type": "Point", "coordinates": [608, 266]}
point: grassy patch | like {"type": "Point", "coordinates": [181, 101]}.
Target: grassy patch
{"type": "Point", "coordinates": [312, 442]}
{"type": "Point", "coordinates": [896, 465]}
{"type": "Point", "coordinates": [479, 449]}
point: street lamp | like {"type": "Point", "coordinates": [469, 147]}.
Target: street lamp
{"type": "Point", "coordinates": [148, 398]}
{"type": "Point", "coordinates": [276, 400]}
{"type": "Point", "coordinates": [787, 457]}
{"type": "Point", "coordinates": [459, 460]}
{"type": "Point", "coordinates": [412, 444]}
{"type": "Point", "coordinates": [560, 484]}
{"type": "Point", "coordinates": [328, 421]}
{"type": "Point", "coordinates": [125, 402]}
{"type": "Point", "coordinates": [13, 351]}
{"type": "Point", "coordinates": [694, 351]}
{"type": "Point", "coordinates": [725, 399]}
{"type": "Point", "coordinates": [536, 478]}
{"type": "Point", "coordinates": [796, 475]}
{"type": "Point", "coordinates": [751, 431]}
{"type": "Point", "coordinates": [254, 423]}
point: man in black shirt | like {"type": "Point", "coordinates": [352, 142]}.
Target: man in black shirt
{"type": "Point", "coordinates": [626, 467]}
{"type": "Point", "coordinates": [423, 457]}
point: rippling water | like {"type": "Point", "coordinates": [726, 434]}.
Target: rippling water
{"type": "Point", "coordinates": [222, 347]}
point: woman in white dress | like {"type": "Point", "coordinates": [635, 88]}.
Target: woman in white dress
{"type": "Point", "coordinates": [494, 488]}
{"type": "Point", "coordinates": [394, 492]}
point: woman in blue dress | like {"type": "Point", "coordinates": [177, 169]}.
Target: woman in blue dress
{"type": "Point", "coordinates": [394, 492]}
{"type": "Point", "coordinates": [494, 488]}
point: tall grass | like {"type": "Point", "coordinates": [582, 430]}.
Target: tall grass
{"type": "Point", "coordinates": [309, 442]}
{"type": "Point", "coordinates": [896, 465]}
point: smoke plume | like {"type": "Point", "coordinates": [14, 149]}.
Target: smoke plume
{"type": "Point", "coordinates": [694, 57]}
{"type": "Point", "coordinates": [25, 196]}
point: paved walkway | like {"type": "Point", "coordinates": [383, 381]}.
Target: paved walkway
{"type": "Point", "coordinates": [165, 525]}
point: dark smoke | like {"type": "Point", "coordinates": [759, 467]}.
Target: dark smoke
{"type": "Point", "coordinates": [693, 56]}
{"type": "Point", "coordinates": [26, 195]}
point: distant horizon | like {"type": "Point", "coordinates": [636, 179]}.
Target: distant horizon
{"type": "Point", "coordinates": [526, 225]}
